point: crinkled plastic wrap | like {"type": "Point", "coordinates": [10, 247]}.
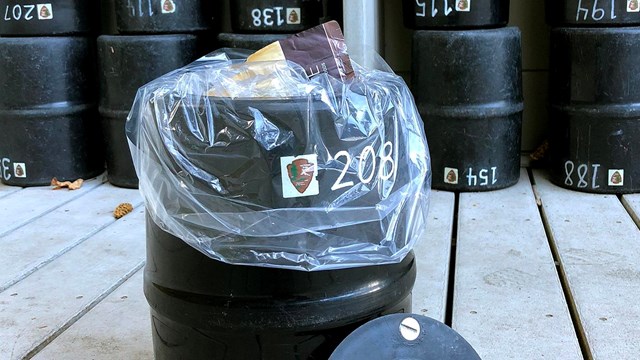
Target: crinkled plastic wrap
{"type": "Point", "coordinates": [255, 164]}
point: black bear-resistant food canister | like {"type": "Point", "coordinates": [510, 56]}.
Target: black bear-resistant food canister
{"type": "Point", "coordinates": [468, 88]}
{"type": "Point", "coordinates": [402, 336]}
{"type": "Point", "coordinates": [248, 41]}
{"type": "Point", "coordinates": [48, 115]}
{"type": "Point", "coordinates": [127, 63]}
{"type": "Point", "coordinates": [275, 16]}
{"type": "Point", "coordinates": [205, 309]}
{"type": "Point", "coordinates": [455, 14]}
{"type": "Point", "coordinates": [593, 12]}
{"type": "Point", "coordinates": [55, 17]}
{"type": "Point", "coordinates": [595, 111]}
{"type": "Point", "coordinates": [164, 16]}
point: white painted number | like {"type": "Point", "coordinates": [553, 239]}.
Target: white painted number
{"type": "Point", "coordinates": [265, 16]}
{"type": "Point", "coordinates": [422, 12]}
{"type": "Point", "coordinates": [596, 12]}
{"type": "Point", "coordinates": [385, 172]}
{"type": "Point", "coordinates": [387, 159]}
{"type": "Point", "coordinates": [339, 184]}
{"type": "Point", "coordinates": [368, 151]}
{"type": "Point", "coordinates": [5, 169]}
{"type": "Point", "coordinates": [582, 172]}
{"type": "Point", "coordinates": [422, 8]}
{"type": "Point", "coordinates": [486, 179]}
{"type": "Point", "coordinates": [17, 11]}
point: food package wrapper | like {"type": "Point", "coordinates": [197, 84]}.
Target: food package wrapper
{"type": "Point", "coordinates": [256, 163]}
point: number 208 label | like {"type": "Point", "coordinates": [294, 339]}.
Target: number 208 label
{"type": "Point", "coordinates": [299, 174]}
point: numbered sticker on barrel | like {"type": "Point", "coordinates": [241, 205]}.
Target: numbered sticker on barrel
{"type": "Point", "coordinates": [9, 169]}
{"type": "Point", "coordinates": [276, 16]}
{"type": "Point", "coordinates": [602, 10]}
{"type": "Point", "coordinates": [28, 12]}
{"type": "Point", "coordinates": [441, 7]}
{"type": "Point", "coordinates": [590, 176]}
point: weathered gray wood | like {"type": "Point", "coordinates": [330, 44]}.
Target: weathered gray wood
{"type": "Point", "coordinates": [6, 190]}
{"type": "Point", "coordinates": [23, 206]}
{"type": "Point", "coordinates": [28, 248]}
{"type": "Point", "coordinates": [599, 247]}
{"type": "Point", "coordinates": [38, 308]}
{"type": "Point", "coordinates": [508, 300]}
{"type": "Point", "coordinates": [432, 256]}
{"type": "Point", "coordinates": [117, 328]}
{"type": "Point", "coordinates": [632, 203]}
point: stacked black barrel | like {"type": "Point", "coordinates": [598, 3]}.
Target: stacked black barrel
{"type": "Point", "coordinates": [594, 95]}
{"type": "Point", "coordinates": [466, 78]}
{"type": "Point", "coordinates": [153, 38]}
{"type": "Point", "coordinates": [48, 114]}
{"type": "Point", "coordinates": [257, 23]}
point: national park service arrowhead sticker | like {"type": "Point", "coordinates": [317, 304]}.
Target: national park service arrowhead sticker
{"type": "Point", "coordinates": [463, 5]}
{"type": "Point", "coordinates": [299, 176]}
{"type": "Point", "coordinates": [616, 177]}
{"type": "Point", "coordinates": [168, 7]}
{"type": "Point", "coordinates": [45, 11]}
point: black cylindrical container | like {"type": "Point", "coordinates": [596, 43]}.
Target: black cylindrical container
{"type": "Point", "coordinates": [56, 17]}
{"type": "Point", "coordinates": [593, 12]}
{"type": "Point", "coordinates": [248, 41]}
{"type": "Point", "coordinates": [595, 109]}
{"type": "Point", "coordinates": [127, 63]}
{"type": "Point", "coordinates": [108, 17]}
{"type": "Point", "coordinates": [164, 16]}
{"type": "Point", "coordinates": [206, 309]}
{"type": "Point", "coordinates": [468, 87]}
{"type": "Point", "coordinates": [48, 119]}
{"type": "Point", "coordinates": [275, 16]}
{"type": "Point", "coordinates": [455, 14]}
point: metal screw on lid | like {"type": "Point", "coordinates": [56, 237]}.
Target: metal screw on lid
{"type": "Point", "coordinates": [410, 329]}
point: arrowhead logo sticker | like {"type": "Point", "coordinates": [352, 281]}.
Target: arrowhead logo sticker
{"type": "Point", "coordinates": [299, 176]}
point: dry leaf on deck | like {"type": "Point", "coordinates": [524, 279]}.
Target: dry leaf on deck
{"type": "Point", "coordinates": [68, 184]}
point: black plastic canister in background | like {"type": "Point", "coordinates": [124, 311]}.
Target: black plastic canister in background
{"type": "Point", "coordinates": [127, 63]}
{"type": "Point", "coordinates": [248, 41]}
{"type": "Point", "coordinates": [455, 14]}
{"type": "Point", "coordinates": [595, 109]}
{"type": "Point", "coordinates": [593, 13]}
{"type": "Point", "coordinates": [275, 16]}
{"type": "Point", "coordinates": [164, 16]}
{"type": "Point", "coordinates": [48, 116]}
{"type": "Point", "coordinates": [206, 309]}
{"type": "Point", "coordinates": [468, 88]}
{"type": "Point", "coordinates": [55, 17]}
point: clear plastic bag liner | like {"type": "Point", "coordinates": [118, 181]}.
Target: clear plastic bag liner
{"type": "Point", "coordinates": [256, 164]}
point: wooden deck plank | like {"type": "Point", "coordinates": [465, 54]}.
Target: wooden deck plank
{"type": "Point", "coordinates": [30, 247]}
{"type": "Point", "coordinates": [599, 247]}
{"type": "Point", "coordinates": [23, 206]}
{"type": "Point", "coordinates": [432, 257]}
{"type": "Point", "coordinates": [632, 203]}
{"type": "Point", "coordinates": [508, 300]}
{"type": "Point", "coordinates": [117, 328]}
{"type": "Point", "coordinates": [38, 308]}
{"type": "Point", "coordinates": [6, 190]}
